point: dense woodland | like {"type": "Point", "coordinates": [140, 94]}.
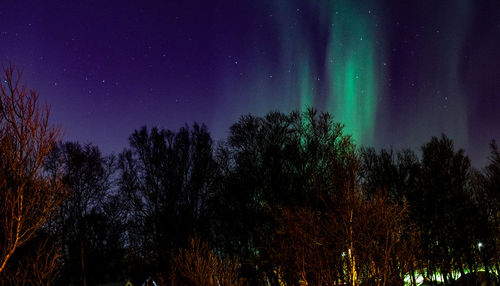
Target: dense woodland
{"type": "Point", "coordinates": [286, 199]}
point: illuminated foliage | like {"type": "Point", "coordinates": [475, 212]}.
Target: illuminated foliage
{"type": "Point", "coordinates": [199, 266]}
{"type": "Point", "coordinates": [27, 196]}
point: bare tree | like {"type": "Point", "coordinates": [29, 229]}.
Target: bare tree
{"type": "Point", "coordinates": [27, 196]}
{"type": "Point", "coordinates": [360, 241]}
{"type": "Point", "coordinates": [36, 263]}
{"type": "Point", "coordinates": [198, 265]}
{"type": "Point", "coordinates": [386, 241]}
{"type": "Point", "coordinates": [303, 252]}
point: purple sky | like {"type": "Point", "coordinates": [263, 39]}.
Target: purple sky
{"type": "Point", "coordinates": [109, 67]}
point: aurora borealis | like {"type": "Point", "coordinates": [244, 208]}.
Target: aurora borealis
{"type": "Point", "coordinates": [346, 55]}
{"type": "Point", "coordinates": [394, 72]}
{"type": "Point", "coordinates": [351, 71]}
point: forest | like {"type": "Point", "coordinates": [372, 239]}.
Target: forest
{"type": "Point", "coordinates": [285, 199]}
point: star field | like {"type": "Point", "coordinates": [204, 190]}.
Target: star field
{"type": "Point", "coordinates": [395, 73]}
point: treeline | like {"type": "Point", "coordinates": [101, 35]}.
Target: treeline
{"type": "Point", "coordinates": [286, 199]}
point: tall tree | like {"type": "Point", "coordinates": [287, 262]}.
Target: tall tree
{"type": "Point", "coordinates": [443, 208]}
{"type": "Point", "coordinates": [27, 197]}
{"type": "Point", "coordinates": [82, 224]}
{"type": "Point", "coordinates": [166, 177]}
{"type": "Point", "coordinates": [279, 160]}
{"type": "Point", "coordinates": [487, 195]}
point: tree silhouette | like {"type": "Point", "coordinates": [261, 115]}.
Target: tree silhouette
{"type": "Point", "coordinates": [166, 178]}
{"type": "Point", "coordinates": [442, 206]}
{"type": "Point", "coordinates": [272, 162]}
{"type": "Point", "coordinates": [81, 221]}
{"type": "Point", "coordinates": [286, 199]}
{"type": "Point", "coordinates": [487, 195]}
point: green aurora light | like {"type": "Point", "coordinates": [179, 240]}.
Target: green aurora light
{"type": "Point", "coordinates": [350, 71]}
{"type": "Point", "coordinates": [346, 62]}
{"type": "Point", "coordinates": [340, 57]}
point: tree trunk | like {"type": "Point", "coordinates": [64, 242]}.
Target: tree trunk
{"type": "Point", "coordinates": [82, 261]}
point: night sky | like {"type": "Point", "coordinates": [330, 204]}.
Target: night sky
{"type": "Point", "coordinates": [395, 72]}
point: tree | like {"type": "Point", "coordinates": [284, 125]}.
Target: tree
{"type": "Point", "coordinates": [487, 195]}
{"type": "Point", "coordinates": [277, 161]}
{"type": "Point", "coordinates": [166, 178]}
{"type": "Point", "coordinates": [197, 265]}
{"type": "Point", "coordinates": [27, 197]}
{"type": "Point", "coordinates": [81, 220]}
{"type": "Point", "coordinates": [369, 241]}
{"type": "Point", "coordinates": [38, 262]}
{"type": "Point", "coordinates": [443, 208]}
{"type": "Point", "coordinates": [304, 251]}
